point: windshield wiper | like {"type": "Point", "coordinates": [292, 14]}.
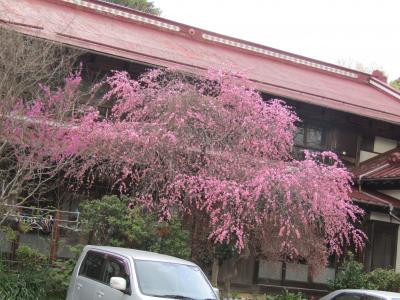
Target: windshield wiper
{"type": "Point", "coordinates": [182, 297]}
{"type": "Point", "coordinates": [174, 297]}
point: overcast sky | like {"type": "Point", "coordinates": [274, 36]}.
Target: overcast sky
{"type": "Point", "coordinates": [364, 31]}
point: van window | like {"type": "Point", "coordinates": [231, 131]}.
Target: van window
{"type": "Point", "coordinates": [93, 266]}
{"type": "Point", "coordinates": [369, 297]}
{"type": "Point", "coordinates": [348, 296]}
{"type": "Point", "coordinates": [115, 268]}
{"type": "Point", "coordinates": [171, 280]}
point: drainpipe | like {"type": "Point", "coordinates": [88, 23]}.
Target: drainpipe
{"type": "Point", "coordinates": [392, 214]}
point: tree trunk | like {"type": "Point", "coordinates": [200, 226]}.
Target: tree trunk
{"type": "Point", "coordinates": [214, 272]}
{"type": "Point", "coordinates": [55, 235]}
{"type": "Point", "coordinates": [228, 288]}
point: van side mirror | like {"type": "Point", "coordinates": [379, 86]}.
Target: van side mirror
{"type": "Point", "coordinates": [118, 283]}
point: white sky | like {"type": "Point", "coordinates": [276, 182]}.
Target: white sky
{"type": "Point", "coordinates": [364, 31]}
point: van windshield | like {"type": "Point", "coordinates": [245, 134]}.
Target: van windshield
{"type": "Point", "coordinates": [170, 280]}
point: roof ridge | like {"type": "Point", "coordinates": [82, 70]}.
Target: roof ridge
{"type": "Point", "coordinates": [383, 86]}
{"type": "Point", "coordinates": [116, 10]}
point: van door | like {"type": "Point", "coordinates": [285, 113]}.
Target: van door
{"type": "Point", "coordinates": [90, 276]}
{"type": "Point", "coordinates": [115, 266]}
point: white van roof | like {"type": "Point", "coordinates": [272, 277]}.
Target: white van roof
{"type": "Point", "coordinates": [139, 254]}
{"type": "Point", "coordinates": [390, 295]}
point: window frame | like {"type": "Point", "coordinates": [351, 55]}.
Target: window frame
{"type": "Point", "coordinates": [362, 295]}
{"type": "Point", "coordinates": [373, 296]}
{"type": "Point", "coordinates": [125, 262]}
{"type": "Point", "coordinates": [306, 127]}
{"type": "Point", "coordinates": [107, 256]}
{"type": "Point", "coordinates": [173, 263]}
{"type": "Point", "coordinates": [97, 253]}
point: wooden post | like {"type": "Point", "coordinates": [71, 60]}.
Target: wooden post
{"type": "Point", "coordinates": [55, 235]}
{"type": "Point", "coordinates": [15, 242]}
{"type": "Point", "coordinates": [14, 246]}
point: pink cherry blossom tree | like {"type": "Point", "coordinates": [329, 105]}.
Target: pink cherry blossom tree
{"type": "Point", "coordinates": [210, 147]}
{"type": "Point", "coordinates": [35, 145]}
{"type": "Point", "coordinates": [25, 62]}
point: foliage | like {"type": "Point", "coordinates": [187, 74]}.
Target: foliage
{"type": "Point", "coordinates": [59, 278]}
{"type": "Point", "coordinates": [14, 286]}
{"type": "Point", "coordinates": [142, 5]}
{"type": "Point", "coordinates": [384, 280]}
{"type": "Point", "coordinates": [117, 222]}
{"type": "Point", "coordinates": [395, 84]}
{"type": "Point", "coordinates": [286, 295]}
{"type": "Point", "coordinates": [28, 280]}
{"type": "Point", "coordinates": [9, 233]}
{"type": "Point", "coordinates": [31, 276]}
{"type": "Point", "coordinates": [351, 276]}
{"type": "Point", "coordinates": [208, 149]}
{"type": "Point", "coordinates": [31, 258]}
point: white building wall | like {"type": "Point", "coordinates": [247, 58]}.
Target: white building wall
{"type": "Point", "coordinates": [364, 155]}
{"type": "Point", "coordinates": [397, 268]}
{"type": "Point", "coordinates": [392, 193]}
{"type": "Point", "coordinates": [382, 145]}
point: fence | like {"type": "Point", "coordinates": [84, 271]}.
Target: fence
{"type": "Point", "coordinates": [46, 223]}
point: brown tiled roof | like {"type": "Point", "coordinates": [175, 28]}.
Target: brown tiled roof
{"type": "Point", "coordinates": [129, 34]}
{"type": "Point", "coordinates": [383, 166]}
{"type": "Point", "coordinates": [374, 198]}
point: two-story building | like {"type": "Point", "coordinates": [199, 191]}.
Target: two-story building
{"type": "Point", "coordinates": [354, 114]}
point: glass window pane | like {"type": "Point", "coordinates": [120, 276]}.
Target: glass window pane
{"type": "Point", "coordinates": [92, 266]}
{"type": "Point", "coordinates": [299, 136]}
{"type": "Point", "coordinates": [367, 143]}
{"type": "Point", "coordinates": [314, 137]}
{"type": "Point", "coordinates": [348, 296]}
{"type": "Point", "coordinates": [115, 268]}
{"type": "Point", "coordinates": [368, 297]}
{"type": "Point", "coordinates": [161, 279]}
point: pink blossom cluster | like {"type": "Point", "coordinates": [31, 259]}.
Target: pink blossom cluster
{"type": "Point", "coordinates": [207, 145]}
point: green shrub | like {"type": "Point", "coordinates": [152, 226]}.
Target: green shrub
{"type": "Point", "coordinates": [32, 278]}
{"type": "Point", "coordinates": [351, 276]}
{"type": "Point", "coordinates": [28, 278]}
{"type": "Point", "coordinates": [384, 280]}
{"type": "Point", "coordinates": [59, 277]}
{"type": "Point", "coordinates": [109, 221]}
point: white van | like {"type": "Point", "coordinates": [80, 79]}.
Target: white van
{"type": "Point", "coordinates": [112, 273]}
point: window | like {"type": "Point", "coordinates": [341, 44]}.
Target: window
{"type": "Point", "coordinates": [383, 244]}
{"type": "Point", "coordinates": [348, 296]}
{"type": "Point", "coordinates": [170, 280]}
{"type": "Point", "coordinates": [367, 143]}
{"type": "Point", "coordinates": [299, 136]}
{"type": "Point", "coordinates": [309, 137]}
{"type": "Point", "coordinates": [115, 268]}
{"type": "Point", "coordinates": [93, 265]}
{"type": "Point", "coordinates": [369, 297]}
